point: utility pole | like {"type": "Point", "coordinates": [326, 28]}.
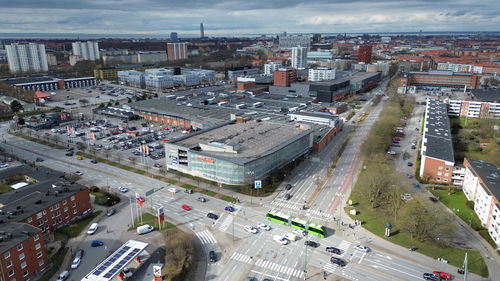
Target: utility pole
{"type": "Point", "coordinates": [465, 267]}
{"type": "Point", "coordinates": [305, 262]}
{"type": "Point", "coordinates": [233, 228]}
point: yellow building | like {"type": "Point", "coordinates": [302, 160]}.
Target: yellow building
{"type": "Point", "coordinates": [110, 72]}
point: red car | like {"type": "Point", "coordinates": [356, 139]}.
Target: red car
{"type": "Point", "coordinates": [186, 207]}
{"type": "Point", "coordinates": [443, 275]}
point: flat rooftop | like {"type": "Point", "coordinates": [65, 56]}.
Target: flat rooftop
{"type": "Point", "coordinates": [19, 232]}
{"type": "Point", "coordinates": [250, 140]}
{"type": "Point", "coordinates": [438, 134]}
{"type": "Point", "coordinates": [29, 200]}
{"type": "Point", "coordinates": [486, 95]}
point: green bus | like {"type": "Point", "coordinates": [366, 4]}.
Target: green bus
{"type": "Point", "coordinates": [316, 229]}
{"type": "Point", "coordinates": [297, 223]}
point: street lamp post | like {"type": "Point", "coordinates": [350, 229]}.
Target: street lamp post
{"type": "Point", "coordinates": [251, 174]}
{"type": "Point", "coordinates": [305, 261]}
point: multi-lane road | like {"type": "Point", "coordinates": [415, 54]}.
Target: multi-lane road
{"type": "Point", "coordinates": [241, 254]}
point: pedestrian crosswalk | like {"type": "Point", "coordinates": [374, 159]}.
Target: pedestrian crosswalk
{"type": "Point", "coordinates": [330, 267]}
{"type": "Point", "coordinates": [284, 204]}
{"type": "Point", "coordinates": [226, 223]}
{"type": "Point", "coordinates": [241, 257]}
{"type": "Point", "coordinates": [206, 237]}
{"type": "Point", "coordinates": [279, 268]}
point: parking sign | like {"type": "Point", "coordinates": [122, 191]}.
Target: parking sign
{"type": "Point", "coordinates": [258, 184]}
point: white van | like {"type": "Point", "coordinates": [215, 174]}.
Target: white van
{"type": "Point", "coordinates": [63, 276]}
{"type": "Point", "coordinates": [93, 228]}
{"type": "Point", "coordinates": [143, 229]}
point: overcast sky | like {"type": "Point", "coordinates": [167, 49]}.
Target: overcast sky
{"type": "Point", "coordinates": [247, 16]}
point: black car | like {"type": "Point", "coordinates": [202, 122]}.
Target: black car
{"type": "Point", "coordinates": [410, 164]}
{"type": "Point", "coordinates": [288, 186]}
{"type": "Point", "coordinates": [338, 261]}
{"type": "Point", "coordinates": [432, 277]}
{"type": "Point", "coordinates": [287, 196]}
{"type": "Point", "coordinates": [212, 256]}
{"type": "Point", "coordinates": [333, 250]}
{"type": "Point", "coordinates": [212, 216]}
{"type": "Point", "coordinates": [93, 161]}
{"type": "Point", "coordinates": [433, 199]}
{"type": "Point", "coordinates": [311, 244]}
{"type": "Point", "coordinates": [69, 153]}
{"type": "Point", "coordinates": [189, 191]}
{"type": "Point", "coordinates": [79, 254]}
{"type": "Point", "coordinates": [202, 199]}
{"type": "Point", "coordinates": [38, 159]}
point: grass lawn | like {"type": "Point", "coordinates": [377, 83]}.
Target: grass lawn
{"type": "Point", "coordinates": [75, 229]}
{"type": "Point", "coordinates": [172, 181]}
{"type": "Point", "coordinates": [228, 198]}
{"type": "Point", "coordinates": [4, 188]}
{"type": "Point", "coordinates": [455, 256]}
{"type": "Point", "coordinates": [188, 186]}
{"type": "Point", "coordinates": [456, 202]}
{"type": "Point", "coordinates": [105, 199]}
{"type": "Point", "coordinates": [140, 172]}
{"type": "Point", "coordinates": [148, 218]}
{"type": "Point", "coordinates": [208, 192]}
{"type": "Point", "coordinates": [56, 261]}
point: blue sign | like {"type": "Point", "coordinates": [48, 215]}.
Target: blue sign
{"type": "Point", "coordinates": [175, 161]}
{"type": "Point", "coordinates": [258, 184]}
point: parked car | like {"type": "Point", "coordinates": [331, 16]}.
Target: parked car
{"type": "Point", "coordinates": [110, 212]}
{"type": "Point", "coordinates": [333, 250]}
{"type": "Point", "coordinates": [410, 164]}
{"type": "Point", "coordinates": [93, 161]}
{"type": "Point", "coordinates": [173, 190]}
{"type": "Point", "coordinates": [212, 256]}
{"type": "Point", "coordinates": [416, 185]}
{"type": "Point", "coordinates": [79, 253]}
{"type": "Point", "coordinates": [229, 208]}
{"type": "Point", "coordinates": [188, 191]}
{"type": "Point", "coordinates": [281, 240]}
{"type": "Point", "coordinates": [433, 199]}
{"type": "Point", "coordinates": [202, 199]}
{"type": "Point", "coordinates": [63, 276]}
{"type": "Point", "coordinates": [338, 261]}
{"type": "Point", "coordinates": [311, 244]}
{"type": "Point", "coordinates": [287, 196]}
{"type": "Point", "coordinates": [96, 243]}
{"type": "Point", "coordinates": [123, 189]}
{"type": "Point", "coordinates": [264, 226]}
{"type": "Point", "coordinates": [362, 248]}
{"type": "Point", "coordinates": [79, 158]}
{"type": "Point", "coordinates": [186, 207]}
{"type": "Point", "coordinates": [288, 186]}
{"type": "Point", "coordinates": [93, 228]}
{"type": "Point", "coordinates": [143, 229]}
{"type": "Point", "coordinates": [78, 173]}
{"type": "Point", "coordinates": [70, 153]}
{"type": "Point", "coordinates": [76, 262]}
{"type": "Point", "coordinates": [290, 236]}
{"type": "Point", "coordinates": [299, 232]}
{"type": "Point", "coordinates": [212, 216]}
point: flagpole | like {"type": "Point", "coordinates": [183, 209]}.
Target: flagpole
{"type": "Point", "coordinates": [131, 211]}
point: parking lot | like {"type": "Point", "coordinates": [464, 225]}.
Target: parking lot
{"type": "Point", "coordinates": [137, 141]}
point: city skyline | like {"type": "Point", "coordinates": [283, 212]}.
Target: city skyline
{"type": "Point", "coordinates": [237, 17]}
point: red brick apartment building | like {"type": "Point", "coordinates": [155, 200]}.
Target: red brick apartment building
{"type": "Point", "coordinates": [438, 78]}
{"type": "Point", "coordinates": [22, 251]}
{"type": "Point", "coordinates": [365, 54]}
{"type": "Point", "coordinates": [285, 76]}
{"type": "Point", "coordinates": [30, 213]}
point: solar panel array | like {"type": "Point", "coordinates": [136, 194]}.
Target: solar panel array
{"type": "Point", "coordinates": [122, 263]}
{"type": "Point", "coordinates": [111, 260]}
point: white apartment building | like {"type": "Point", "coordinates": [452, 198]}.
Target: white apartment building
{"type": "Point", "coordinates": [299, 57]}
{"type": "Point", "coordinates": [158, 82]}
{"type": "Point", "coordinates": [455, 67]}
{"type": "Point", "coordinates": [321, 73]}
{"type": "Point", "coordinates": [186, 79]}
{"type": "Point", "coordinates": [271, 67]}
{"type": "Point", "coordinates": [484, 103]}
{"type": "Point", "coordinates": [482, 186]}
{"type": "Point", "coordinates": [132, 78]}
{"type": "Point", "coordinates": [203, 74]}
{"type": "Point", "coordinates": [88, 50]}
{"type": "Point", "coordinates": [26, 57]}
{"type": "Point", "coordinates": [159, 72]}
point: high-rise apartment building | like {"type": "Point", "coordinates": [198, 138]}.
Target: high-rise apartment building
{"type": "Point", "coordinates": [365, 54]}
{"type": "Point", "coordinates": [202, 31]}
{"type": "Point", "coordinates": [271, 67]}
{"type": "Point", "coordinates": [176, 51]}
{"type": "Point", "coordinates": [88, 50]}
{"type": "Point", "coordinates": [299, 57]}
{"type": "Point", "coordinates": [27, 57]}
{"type": "Point", "coordinates": [284, 77]}
{"type": "Point", "coordinates": [174, 37]}
{"type": "Point", "coordinates": [287, 42]}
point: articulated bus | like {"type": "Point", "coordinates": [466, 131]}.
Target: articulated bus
{"type": "Point", "coordinates": [314, 229]}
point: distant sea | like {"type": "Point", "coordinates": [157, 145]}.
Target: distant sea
{"type": "Point", "coordinates": [248, 35]}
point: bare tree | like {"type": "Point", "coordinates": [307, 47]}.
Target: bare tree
{"type": "Point", "coordinates": [133, 160]}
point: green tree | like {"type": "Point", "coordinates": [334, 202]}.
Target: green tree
{"type": "Point", "coordinates": [117, 103]}
{"type": "Point", "coordinates": [110, 104]}
{"type": "Point", "coordinates": [21, 121]}
{"type": "Point", "coordinates": [16, 106]}
{"type": "Point", "coordinates": [129, 100]}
